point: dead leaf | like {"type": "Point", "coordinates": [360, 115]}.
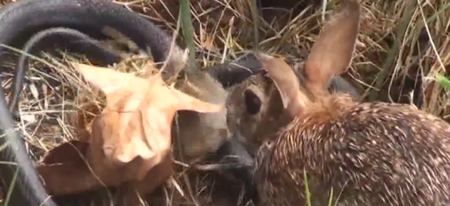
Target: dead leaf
{"type": "Point", "coordinates": [68, 152]}
{"type": "Point", "coordinates": [64, 170]}
{"type": "Point", "coordinates": [208, 43]}
{"type": "Point", "coordinates": [154, 178]}
{"type": "Point", "coordinates": [132, 136]}
{"type": "Point", "coordinates": [68, 178]}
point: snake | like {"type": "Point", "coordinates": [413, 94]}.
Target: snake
{"type": "Point", "coordinates": [25, 22]}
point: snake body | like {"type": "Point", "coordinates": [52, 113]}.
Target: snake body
{"type": "Point", "coordinates": [81, 19]}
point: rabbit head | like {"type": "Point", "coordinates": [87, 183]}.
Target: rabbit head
{"type": "Point", "coordinates": [247, 109]}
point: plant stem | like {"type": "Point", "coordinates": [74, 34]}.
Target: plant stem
{"type": "Point", "coordinates": [185, 15]}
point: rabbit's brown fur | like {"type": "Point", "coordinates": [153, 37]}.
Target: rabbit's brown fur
{"type": "Point", "coordinates": [369, 154]}
{"type": "Point", "coordinates": [361, 153]}
{"type": "Point", "coordinates": [241, 120]}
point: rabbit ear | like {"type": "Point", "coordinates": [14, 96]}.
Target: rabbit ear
{"type": "Point", "coordinates": [334, 47]}
{"type": "Point", "coordinates": [286, 82]}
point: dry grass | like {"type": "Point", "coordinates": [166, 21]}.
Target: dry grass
{"type": "Point", "coordinates": [387, 68]}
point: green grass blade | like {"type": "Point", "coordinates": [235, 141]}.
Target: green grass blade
{"type": "Point", "coordinates": [308, 193]}
{"type": "Point", "coordinates": [11, 187]}
{"type": "Point", "coordinates": [188, 32]}
{"type": "Point", "coordinates": [255, 18]}
{"type": "Point", "coordinates": [443, 81]}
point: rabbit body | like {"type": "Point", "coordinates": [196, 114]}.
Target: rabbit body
{"type": "Point", "coordinates": [364, 154]}
{"type": "Point", "coordinates": [358, 153]}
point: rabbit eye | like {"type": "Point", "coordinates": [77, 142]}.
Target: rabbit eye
{"type": "Point", "coordinates": [252, 102]}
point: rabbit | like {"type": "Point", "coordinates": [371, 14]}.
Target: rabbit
{"type": "Point", "coordinates": [372, 153]}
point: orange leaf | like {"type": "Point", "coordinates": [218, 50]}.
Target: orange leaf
{"type": "Point", "coordinates": [132, 135]}
{"type": "Point", "coordinates": [68, 152]}
{"type": "Point", "coordinates": [68, 178]}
